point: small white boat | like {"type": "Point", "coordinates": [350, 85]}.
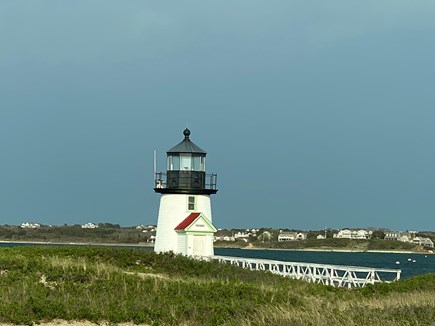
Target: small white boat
{"type": "Point", "coordinates": [397, 262]}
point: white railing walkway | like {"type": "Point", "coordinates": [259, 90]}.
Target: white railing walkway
{"type": "Point", "coordinates": [335, 275]}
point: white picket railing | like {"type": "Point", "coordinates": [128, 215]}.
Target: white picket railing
{"type": "Point", "coordinates": [335, 275]}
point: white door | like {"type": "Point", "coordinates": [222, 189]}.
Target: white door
{"type": "Point", "coordinates": [199, 245]}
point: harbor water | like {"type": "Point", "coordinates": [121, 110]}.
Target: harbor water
{"type": "Point", "coordinates": [410, 264]}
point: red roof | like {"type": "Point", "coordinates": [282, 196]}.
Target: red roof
{"type": "Point", "coordinates": [187, 221]}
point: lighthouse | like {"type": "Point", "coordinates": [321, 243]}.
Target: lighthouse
{"type": "Point", "coordinates": [184, 222]}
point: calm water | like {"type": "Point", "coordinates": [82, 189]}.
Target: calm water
{"type": "Point", "coordinates": [423, 263]}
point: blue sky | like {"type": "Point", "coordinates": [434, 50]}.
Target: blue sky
{"type": "Point", "coordinates": [313, 113]}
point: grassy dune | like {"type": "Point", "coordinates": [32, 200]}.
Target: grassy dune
{"type": "Point", "coordinates": [40, 284]}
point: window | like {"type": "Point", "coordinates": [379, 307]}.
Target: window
{"type": "Point", "coordinates": [173, 163]}
{"type": "Point", "coordinates": [186, 162]}
{"type": "Point", "coordinates": [202, 163]}
{"type": "Point", "coordinates": [191, 203]}
{"type": "Point", "coordinates": [196, 163]}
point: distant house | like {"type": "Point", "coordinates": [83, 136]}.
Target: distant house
{"type": "Point", "coordinates": [301, 236]}
{"type": "Point", "coordinates": [287, 236]}
{"type": "Point", "coordinates": [30, 225]}
{"type": "Point", "coordinates": [241, 235]}
{"type": "Point", "coordinates": [363, 234]}
{"type": "Point", "coordinates": [392, 236]}
{"type": "Point", "coordinates": [89, 226]}
{"type": "Point", "coordinates": [291, 236]}
{"type": "Point", "coordinates": [353, 234]}
{"type": "Point", "coordinates": [224, 238]}
{"type": "Point", "coordinates": [406, 237]}
{"type": "Point", "coordinates": [425, 242]}
{"type": "Point", "coordinates": [148, 227]}
{"type": "Point", "coordinates": [343, 234]}
{"type": "Point", "coordinates": [400, 236]}
{"type": "Point", "coordinates": [321, 237]}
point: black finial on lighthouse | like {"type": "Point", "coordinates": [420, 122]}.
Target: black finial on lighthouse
{"type": "Point", "coordinates": [186, 133]}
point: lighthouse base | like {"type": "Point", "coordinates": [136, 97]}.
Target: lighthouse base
{"type": "Point", "coordinates": [188, 239]}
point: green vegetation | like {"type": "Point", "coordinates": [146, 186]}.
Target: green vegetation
{"type": "Point", "coordinates": [105, 233]}
{"type": "Point", "coordinates": [114, 285]}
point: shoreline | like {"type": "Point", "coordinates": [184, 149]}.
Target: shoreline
{"type": "Point", "coordinates": [251, 247]}
{"type": "Point", "coordinates": [104, 244]}
{"type": "Point", "coordinates": [342, 250]}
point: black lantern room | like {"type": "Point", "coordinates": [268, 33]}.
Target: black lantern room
{"type": "Point", "coordinates": [185, 171]}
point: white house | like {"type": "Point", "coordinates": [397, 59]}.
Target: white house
{"type": "Point", "coordinates": [353, 234]}
{"type": "Point", "coordinates": [224, 238]}
{"type": "Point", "coordinates": [343, 234]}
{"type": "Point", "coordinates": [89, 226]}
{"type": "Point", "coordinates": [426, 242]}
{"type": "Point", "coordinates": [400, 236]}
{"type": "Point", "coordinates": [195, 235]}
{"type": "Point", "coordinates": [287, 236]}
{"type": "Point", "coordinates": [392, 235]}
{"type": "Point", "coordinates": [404, 237]}
{"type": "Point", "coordinates": [363, 234]}
{"type": "Point", "coordinates": [27, 225]}
{"type": "Point", "coordinates": [241, 235]}
{"type": "Point", "coordinates": [301, 236]}
{"type": "Point", "coordinates": [291, 236]}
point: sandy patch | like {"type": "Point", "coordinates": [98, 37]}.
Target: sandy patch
{"type": "Point", "coordinates": [148, 275]}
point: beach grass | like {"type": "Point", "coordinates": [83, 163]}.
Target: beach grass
{"type": "Point", "coordinates": [41, 284]}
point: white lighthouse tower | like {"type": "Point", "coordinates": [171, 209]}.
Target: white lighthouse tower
{"type": "Point", "coordinates": [184, 223]}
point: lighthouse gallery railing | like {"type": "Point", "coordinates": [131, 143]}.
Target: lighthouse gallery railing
{"type": "Point", "coordinates": [335, 275]}
{"type": "Point", "coordinates": [161, 180]}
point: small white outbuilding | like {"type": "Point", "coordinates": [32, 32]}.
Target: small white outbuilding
{"type": "Point", "coordinates": [195, 236]}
